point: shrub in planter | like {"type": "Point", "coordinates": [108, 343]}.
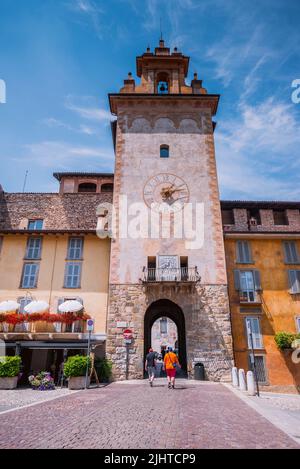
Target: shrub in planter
{"type": "Point", "coordinates": [43, 381]}
{"type": "Point", "coordinates": [9, 371]}
{"type": "Point", "coordinates": [104, 369]}
{"type": "Point", "coordinates": [75, 370]}
{"type": "Point", "coordinates": [284, 340]}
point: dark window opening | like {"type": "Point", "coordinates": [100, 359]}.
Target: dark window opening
{"type": "Point", "coordinates": [164, 151]}
{"type": "Point", "coordinates": [87, 187]}
{"type": "Point", "coordinates": [151, 268]}
{"type": "Point", "coordinates": [162, 83]}
{"type": "Point", "coordinates": [107, 188]}
{"type": "Point", "coordinates": [227, 217]}
{"type": "Point", "coordinates": [254, 217]}
{"type": "Point", "coordinates": [280, 217]}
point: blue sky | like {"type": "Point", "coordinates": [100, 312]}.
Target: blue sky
{"type": "Point", "coordinates": [60, 58]}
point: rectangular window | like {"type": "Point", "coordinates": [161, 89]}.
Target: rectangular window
{"type": "Point", "coordinates": [72, 275]}
{"type": "Point", "coordinates": [260, 368]}
{"type": "Point", "coordinates": [290, 252]}
{"type": "Point", "coordinates": [35, 224]}
{"type": "Point", "coordinates": [298, 324]}
{"type": "Point", "coordinates": [227, 217]}
{"type": "Point", "coordinates": [248, 283]}
{"type": "Point", "coordinates": [30, 275]}
{"type": "Point", "coordinates": [243, 252]}
{"type": "Point", "coordinates": [280, 217]}
{"type": "Point", "coordinates": [33, 250]}
{"type": "Point", "coordinates": [1, 243]}
{"type": "Point", "coordinates": [75, 248]}
{"type": "Point", "coordinates": [164, 326]}
{"type": "Point", "coordinates": [23, 302]}
{"type": "Point", "coordinates": [254, 215]}
{"type": "Point", "coordinates": [253, 326]}
{"type": "Point", "coordinates": [294, 281]}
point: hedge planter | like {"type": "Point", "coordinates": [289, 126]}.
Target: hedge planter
{"type": "Point", "coordinates": [77, 382]}
{"type": "Point", "coordinates": [9, 383]}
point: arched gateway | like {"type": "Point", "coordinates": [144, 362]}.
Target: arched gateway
{"type": "Point", "coordinates": [166, 308]}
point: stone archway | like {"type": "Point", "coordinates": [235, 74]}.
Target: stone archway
{"type": "Point", "coordinates": [166, 308]}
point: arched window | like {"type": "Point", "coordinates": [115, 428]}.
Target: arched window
{"type": "Point", "coordinates": [164, 151]}
{"type": "Point", "coordinates": [107, 188]}
{"type": "Point", "coordinates": [162, 83]}
{"type": "Point", "coordinates": [87, 187]}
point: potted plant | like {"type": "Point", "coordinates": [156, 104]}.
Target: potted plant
{"type": "Point", "coordinates": [43, 381]}
{"type": "Point", "coordinates": [9, 371]}
{"type": "Point", "coordinates": [286, 341]}
{"type": "Point", "coordinates": [103, 369]}
{"type": "Point", "coordinates": [75, 371]}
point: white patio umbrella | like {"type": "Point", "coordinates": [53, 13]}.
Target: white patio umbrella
{"type": "Point", "coordinates": [9, 306]}
{"type": "Point", "coordinates": [37, 307]}
{"type": "Point", "coordinates": [70, 306]}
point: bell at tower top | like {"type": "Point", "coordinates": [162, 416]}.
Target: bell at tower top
{"type": "Point", "coordinates": [162, 72]}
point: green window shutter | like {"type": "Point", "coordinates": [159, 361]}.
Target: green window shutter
{"type": "Point", "coordinates": [237, 279]}
{"type": "Point", "coordinates": [257, 280]}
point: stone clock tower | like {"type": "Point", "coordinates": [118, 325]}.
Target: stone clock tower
{"type": "Point", "coordinates": [165, 159]}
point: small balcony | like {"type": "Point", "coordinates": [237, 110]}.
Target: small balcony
{"type": "Point", "coordinates": [250, 297]}
{"type": "Point", "coordinates": [171, 275]}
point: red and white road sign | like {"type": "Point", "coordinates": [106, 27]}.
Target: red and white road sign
{"type": "Point", "coordinates": [127, 334]}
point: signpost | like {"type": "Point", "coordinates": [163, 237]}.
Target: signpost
{"type": "Point", "coordinates": [127, 334]}
{"type": "Point", "coordinates": [89, 328]}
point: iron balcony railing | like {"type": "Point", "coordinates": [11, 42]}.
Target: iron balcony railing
{"type": "Point", "coordinates": [182, 274]}
{"type": "Point", "coordinates": [249, 296]}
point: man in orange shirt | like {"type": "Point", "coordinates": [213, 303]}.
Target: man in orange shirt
{"type": "Point", "coordinates": [170, 364]}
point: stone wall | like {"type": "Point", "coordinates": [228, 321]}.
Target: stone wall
{"type": "Point", "coordinates": [267, 221]}
{"type": "Point", "coordinates": [68, 211]}
{"type": "Point", "coordinates": [207, 323]}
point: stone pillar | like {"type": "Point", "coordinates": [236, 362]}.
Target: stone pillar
{"type": "Point", "coordinates": [251, 384]}
{"type": "Point", "coordinates": [242, 380]}
{"type": "Point", "coordinates": [235, 378]}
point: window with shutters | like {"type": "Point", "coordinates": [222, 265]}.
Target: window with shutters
{"type": "Point", "coordinates": [243, 252]}
{"type": "Point", "coordinates": [260, 366]}
{"type": "Point", "coordinates": [290, 252]}
{"type": "Point", "coordinates": [72, 275]}
{"type": "Point", "coordinates": [30, 275]}
{"type": "Point", "coordinates": [294, 281]}
{"type": "Point", "coordinates": [34, 248]}
{"type": "Point", "coordinates": [253, 329]}
{"type": "Point", "coordinates": [248, 283]}
{"type": "Point", "coordinates": [75, 248]}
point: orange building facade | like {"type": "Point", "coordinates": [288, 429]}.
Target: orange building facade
{"type": "Point", "coordinates": [262, 245]}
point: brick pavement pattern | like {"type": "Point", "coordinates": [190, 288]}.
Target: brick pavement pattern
{"type": "Point", "coordinates": [134, 415]}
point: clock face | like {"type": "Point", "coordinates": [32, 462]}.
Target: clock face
{"type": "Point", "coordinates": [166, 188]}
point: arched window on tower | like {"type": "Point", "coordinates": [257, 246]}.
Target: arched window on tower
{"type": "Point", "coordinates": [162, 82]}
{"type": "Point", "coordinates": [164, 151]}
{"type": "Point", "coordinates": [87, 187]}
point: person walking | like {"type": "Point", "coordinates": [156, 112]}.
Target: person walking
{"type": "Point", "coordinates": [150, 365]}
{"type": "Point", "coordinates": [171, 362]}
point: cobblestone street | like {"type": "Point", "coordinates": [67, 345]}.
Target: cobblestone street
{"type": "Point", "coordinates": [132, 415]}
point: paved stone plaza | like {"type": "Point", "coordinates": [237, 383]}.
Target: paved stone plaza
{"type": "Point", "coordinates": [132, 415]}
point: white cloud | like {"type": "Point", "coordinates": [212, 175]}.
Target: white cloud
{"type": "Point", "coordinates": [257, 151]}
{"type": "Point", "coordinates": [92, 12]}
{"type": "Point", "coordinates": [86, 111]}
